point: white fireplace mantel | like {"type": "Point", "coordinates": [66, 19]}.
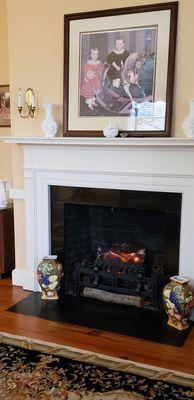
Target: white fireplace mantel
{"type": "Point", "coordinates": [144, 164]}
{"type": "Point", "coordinates": [100, 141]}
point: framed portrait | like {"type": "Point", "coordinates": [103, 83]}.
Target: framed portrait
{"type": "Point", "coordinates": [4, 106]}
{"type": "Point", "coordinates": [119, 68]}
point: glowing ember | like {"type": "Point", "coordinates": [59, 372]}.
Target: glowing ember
{"type": "Point", "coordinates": [115, 255]}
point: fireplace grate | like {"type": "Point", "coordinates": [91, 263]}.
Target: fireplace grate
{"type": "Point", "coordinates": [123, 272]}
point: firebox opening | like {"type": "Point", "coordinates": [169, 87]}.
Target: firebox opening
{"type": "Point", "coordinates": [116, 245]}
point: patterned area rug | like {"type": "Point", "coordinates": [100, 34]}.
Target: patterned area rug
{"type": "Point", "coordinates": [31, 369]}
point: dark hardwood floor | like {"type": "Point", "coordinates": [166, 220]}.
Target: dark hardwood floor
{"type": "Point", "coordinates": [138, 350]}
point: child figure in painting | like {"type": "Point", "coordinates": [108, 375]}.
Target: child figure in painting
{"type": "Point", "coordinates": [91, 78]}
{"type": "Point", "coordinates": [116, 59]}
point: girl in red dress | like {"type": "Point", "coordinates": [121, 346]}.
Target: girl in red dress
{"type": "Point", "coordinates": [91, 78]}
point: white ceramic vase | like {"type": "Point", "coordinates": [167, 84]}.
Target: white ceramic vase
{"type": "Point", "coordinates": [4, 194]}
{"type": "Point", "coordinates": [49, 126]}
{"type": "Point", "coordinates": [188, 124]}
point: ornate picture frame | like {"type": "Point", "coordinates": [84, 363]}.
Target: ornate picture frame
{"type": "Point", "coordinates": [119, 68]}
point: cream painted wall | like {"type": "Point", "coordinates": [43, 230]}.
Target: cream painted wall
{"type": "Point", "coordinates": [4, 64]}
{"type": "Point", "coordinates": [5, 150]}
{"type": "Point", "coordinates": [36, 54]}
{"type": "Point", "coordinates": [36, 59]}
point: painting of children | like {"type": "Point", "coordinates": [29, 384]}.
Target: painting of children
{"type": "Point", "coordinates": [116, 69]}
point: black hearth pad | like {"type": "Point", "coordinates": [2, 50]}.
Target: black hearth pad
{"type": "Point", "coordinates": [126, 320]}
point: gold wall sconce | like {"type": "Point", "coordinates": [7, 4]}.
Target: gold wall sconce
{"type": "Point", "coordinates": [30, 103]}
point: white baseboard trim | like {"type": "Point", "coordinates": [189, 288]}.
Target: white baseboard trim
{"type": "Point", "coordinates": [24, 278]}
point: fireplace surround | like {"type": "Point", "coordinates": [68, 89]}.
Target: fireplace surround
{"type": "Point", "coordinates": [153, 165]}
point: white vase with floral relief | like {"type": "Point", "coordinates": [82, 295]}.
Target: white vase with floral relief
{"type": "Point", "coordinates": [4, 194]}
{"type": "Point", "coordinates": [188, 124]}
{"type": "Point", "coordinates": [49, 126]}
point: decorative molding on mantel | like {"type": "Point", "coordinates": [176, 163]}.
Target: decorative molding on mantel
{"type": "Point", "coordinates": [104, 142]}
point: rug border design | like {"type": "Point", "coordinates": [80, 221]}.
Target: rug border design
{"type": "Point", "coordinates": [114, 363]}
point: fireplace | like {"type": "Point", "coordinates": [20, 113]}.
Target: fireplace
{"type": "Point", "coordinates": [159, 165]}
{"type": "Point", "coordinates": [116, 245]}
{"type": "Point", "coordinates": [148, 166]}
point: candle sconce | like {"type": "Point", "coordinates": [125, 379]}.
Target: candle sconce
{"type": "Point", "coordinates": [30, 103]}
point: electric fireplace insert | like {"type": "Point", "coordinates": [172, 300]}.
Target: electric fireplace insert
{"type": "Point", "coordinates": [117, 246]}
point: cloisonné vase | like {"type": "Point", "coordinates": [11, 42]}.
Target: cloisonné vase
{"type": "Point", "coordinates": [49, 274]}
{"type": "Point", "coordinates": [178, 299]}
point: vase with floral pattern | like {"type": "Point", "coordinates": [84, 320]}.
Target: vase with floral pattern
{"type": "Point", "coordinates": [49, 274]}
{"type": "Point", "coordinates": [178, 301]}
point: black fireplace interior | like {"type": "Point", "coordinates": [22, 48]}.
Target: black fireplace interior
{"type": "Point", "coordinates": [118, 245]}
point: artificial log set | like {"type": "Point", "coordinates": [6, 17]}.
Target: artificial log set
{"type": "Point", "coordinates": [124, 273]}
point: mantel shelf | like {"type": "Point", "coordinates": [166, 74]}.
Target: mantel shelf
{"type": "Point", "coordinates": [102, 142]}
